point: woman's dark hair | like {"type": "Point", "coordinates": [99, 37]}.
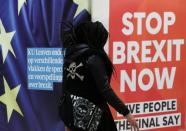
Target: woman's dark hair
{"type": "Point", "coordinates": [95, 36]}
{"type": "Point", "coordinates": [68, 36]}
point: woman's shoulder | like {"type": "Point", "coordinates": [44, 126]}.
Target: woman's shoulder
{"type": "Point", "coordinates": [94, 60]}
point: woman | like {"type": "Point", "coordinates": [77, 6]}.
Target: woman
{"type": "Point", "coordinates": [86, 77]}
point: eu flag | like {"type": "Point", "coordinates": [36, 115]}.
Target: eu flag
{"type": "Point", "coordinates": [27, 24]}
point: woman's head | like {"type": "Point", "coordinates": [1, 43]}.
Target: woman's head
{"type": "Point", "coordinates": [95, 36]}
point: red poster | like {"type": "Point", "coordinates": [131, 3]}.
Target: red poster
{"type": "Point", "coordinates": [147, 46]}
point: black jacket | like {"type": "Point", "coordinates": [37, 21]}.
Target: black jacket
{"type": "Point", "coordinates": [85, 76]}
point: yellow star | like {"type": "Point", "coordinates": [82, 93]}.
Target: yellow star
{"type": "Point", "coordinates": [9, 99]}
{"type": "Point", "coordinates": [5, 39]}
{"type": "Point", "coordinates": [82, 4]}
{"type": "Point", "coordinates": [20, 4]}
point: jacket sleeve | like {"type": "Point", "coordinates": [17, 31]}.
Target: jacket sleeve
{"type": "Point", "coordinates": [98, 71]}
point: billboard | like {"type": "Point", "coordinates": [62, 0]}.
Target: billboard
{"type": "Point", "coordinates": [147, 48]}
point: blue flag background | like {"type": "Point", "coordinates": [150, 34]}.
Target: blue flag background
{"type": "Point", "coordinates": [27, 24]}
